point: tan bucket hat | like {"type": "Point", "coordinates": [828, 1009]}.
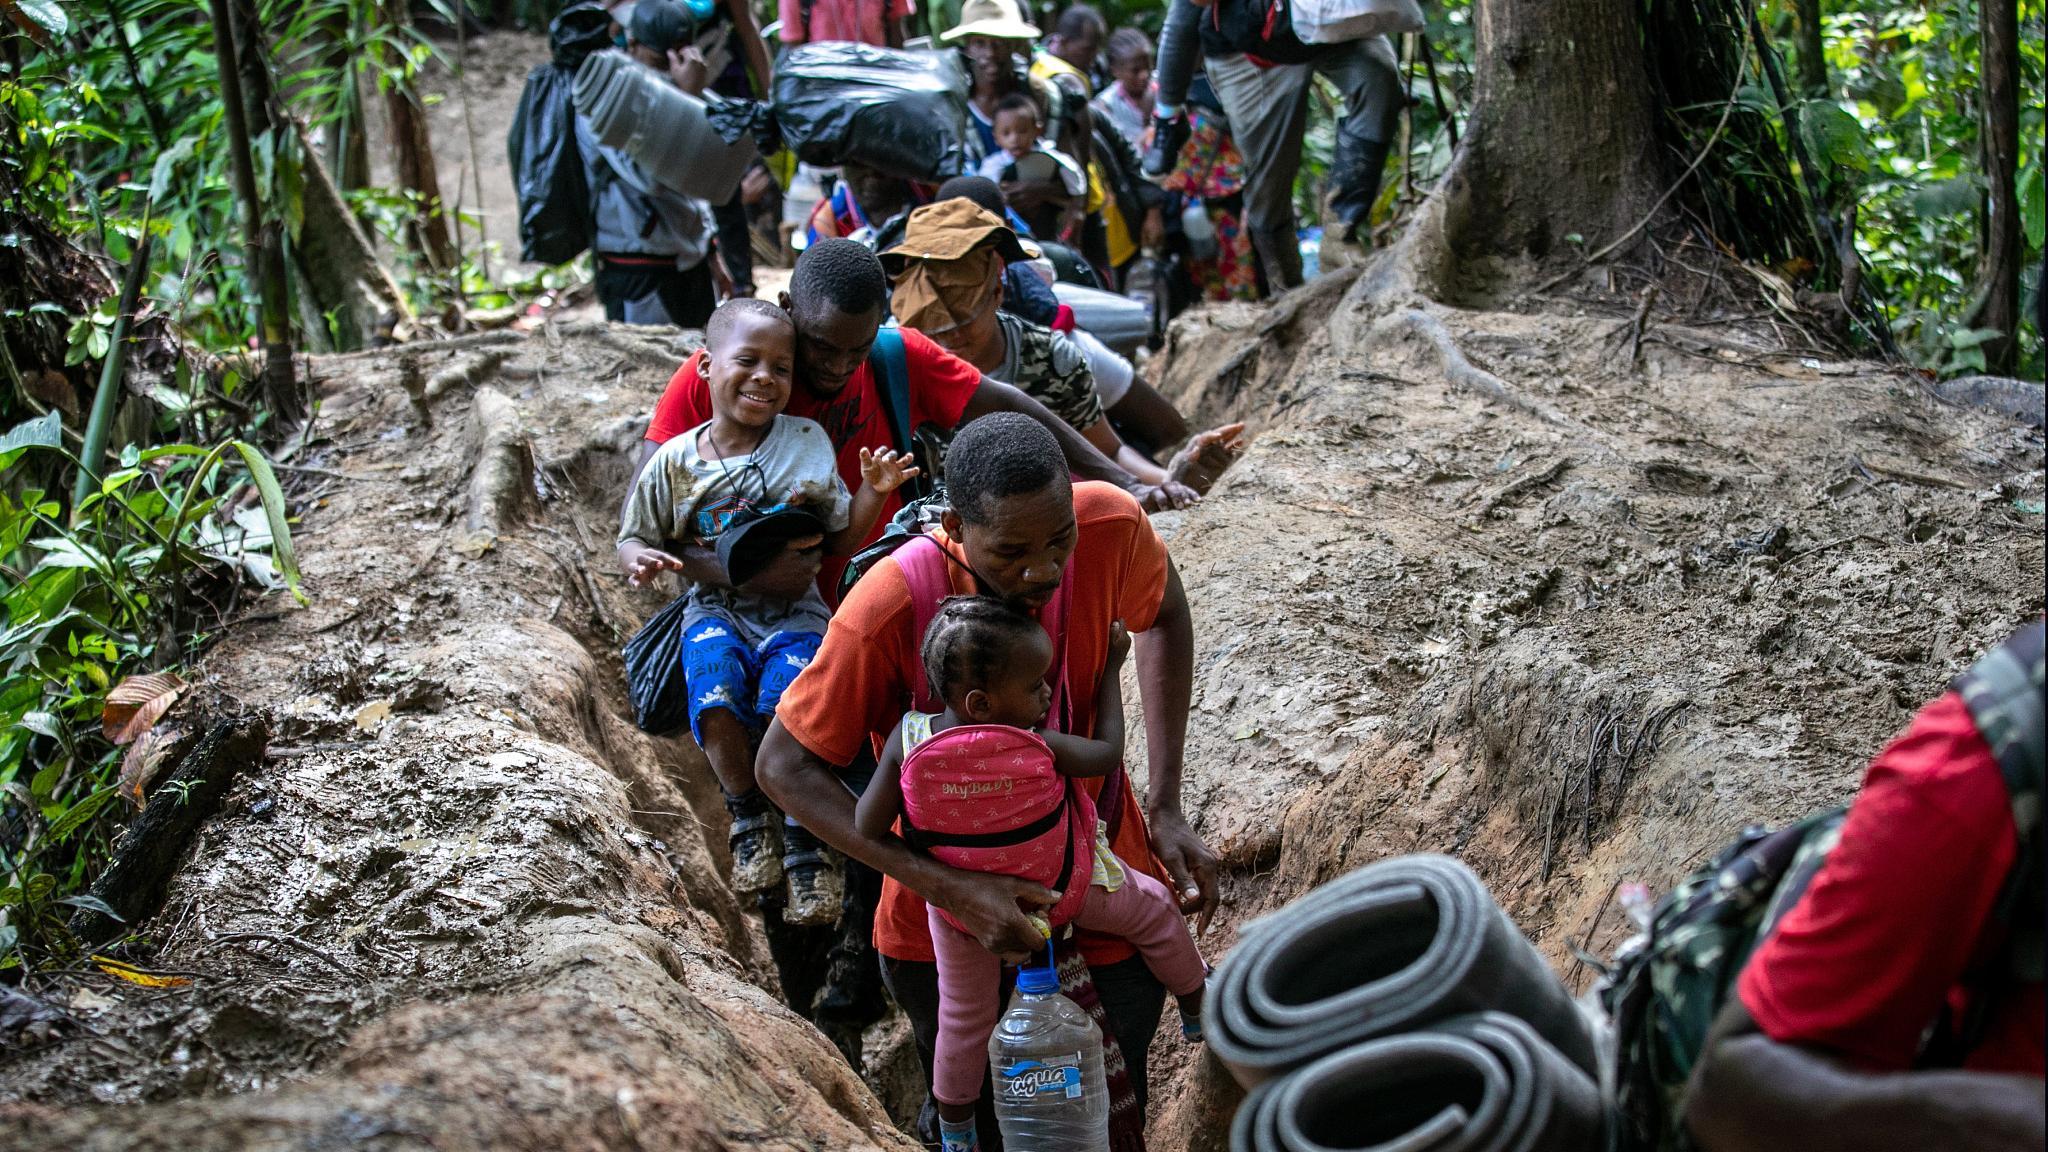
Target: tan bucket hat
{"type": "Point", "coordinates": [998, 19]}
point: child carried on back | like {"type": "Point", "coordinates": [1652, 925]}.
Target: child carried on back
{"type": "Point", "coordinates": [764, 489]}
{"type": "Point", "coordinates": [983, 786]}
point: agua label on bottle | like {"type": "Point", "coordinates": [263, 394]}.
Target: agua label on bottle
{"type": "Point", "coordinates": [1058, 1076]}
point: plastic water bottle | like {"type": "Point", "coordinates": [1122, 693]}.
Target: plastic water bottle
{"type": "Point", "coordinates": [1047, 1057]}
{"type": "Point", "coordinates": [1199, 229]}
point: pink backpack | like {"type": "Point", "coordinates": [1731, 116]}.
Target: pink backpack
{"type": "Point", "coordinates": [987, 797]}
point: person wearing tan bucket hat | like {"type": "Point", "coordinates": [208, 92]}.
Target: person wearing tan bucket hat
{"type": "Point", "coordinates": [948, 275]}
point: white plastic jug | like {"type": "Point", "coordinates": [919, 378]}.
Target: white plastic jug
{"type": "Point", "coordinates": [1047, 1057]}
{"type": "Point", "coordinates": [635, 109]}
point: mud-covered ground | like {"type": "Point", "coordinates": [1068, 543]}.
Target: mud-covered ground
{"type": "Point", "coordinates": [1576, 631]}
{"type": "Point", "coordinates": [1578, 634]}
{"type": "Point", "coordinates": [462, 902]}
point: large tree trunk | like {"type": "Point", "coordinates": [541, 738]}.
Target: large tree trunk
{"type": "Point", "coordinates": [412, 156]}
{"type": "Point", "coordinates": [1998, 264]}
{"type": "Point", "coordinates": [340, 267]}
{"type": "Point", "coordinates": [1562, 138]}
{"type": "Point", "coordinates": [1813, 61]}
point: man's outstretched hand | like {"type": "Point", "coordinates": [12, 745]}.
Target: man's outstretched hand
{"type": "Point", "coordinates": [1189, 864]}
{"type": "Point", "coordinates": [1169, 134]}
{"type": "Point", "coordinates": [1165, 497]}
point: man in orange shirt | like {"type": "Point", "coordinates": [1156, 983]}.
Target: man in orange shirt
{"type": "Point", "coordinates": [1019, 527]}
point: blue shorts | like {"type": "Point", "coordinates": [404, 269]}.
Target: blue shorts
{"type": "Point", "coordinates": [722, 670]}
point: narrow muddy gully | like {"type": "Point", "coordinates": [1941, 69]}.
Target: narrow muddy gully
{"type": "Point", "coordinates": [1569, 596]}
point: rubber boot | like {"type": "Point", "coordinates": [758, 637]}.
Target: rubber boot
{"type": "Point", "coordinates": [1279, 252]}
{"type": "Point", "coordinates": [1355, 183]}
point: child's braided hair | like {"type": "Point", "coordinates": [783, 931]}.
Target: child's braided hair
{"type": "Point", "coordinates": [966, 641]}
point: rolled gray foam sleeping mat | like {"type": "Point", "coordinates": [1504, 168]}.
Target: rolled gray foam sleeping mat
{"type": "Point", "coordinates": [1394, 946]}
{"type": "Point", "coordinates": [1480, 1083]}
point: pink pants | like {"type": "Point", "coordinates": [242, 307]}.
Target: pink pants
{"type": "Point", "coordinates": [1141, 911]}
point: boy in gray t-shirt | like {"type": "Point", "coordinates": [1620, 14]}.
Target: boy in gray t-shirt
{"type": "Point", "coordinates": [743, 645]}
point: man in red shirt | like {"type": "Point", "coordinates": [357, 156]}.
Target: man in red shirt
{"type": "Point", "coordinates": [839, 297]}
{"type": "Point", "coordinates": [1903, 932]}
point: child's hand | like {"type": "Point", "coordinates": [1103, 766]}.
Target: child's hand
{"type": "Point", "coordinates": [886, 471]}
{"type": "Point", "coordinates": [1119, 646]}
{"type": "Point", "coordinates": [648, 563]}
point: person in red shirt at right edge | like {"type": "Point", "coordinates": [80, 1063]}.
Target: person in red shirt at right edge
{"type": "Point", "coordinates": [1898, 1006]}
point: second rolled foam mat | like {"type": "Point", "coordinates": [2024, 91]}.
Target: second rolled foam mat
{"type": "Point", "coordinates": [1391, 947]}
{"type": "Point", "coordinates": [1479, 1083]}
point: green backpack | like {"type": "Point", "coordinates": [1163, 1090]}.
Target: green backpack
{"type": "Point", "coordinates": [1664, 988]}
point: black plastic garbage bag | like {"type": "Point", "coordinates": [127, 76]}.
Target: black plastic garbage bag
{"type": "Point", "coordinates": [902, 113]}
{"type": "Point", "coordinates": [554, 192]}
{"type": "Point", "coordinates": [654, 671]}
{"type": "Point", "coordinates": [732, 119]}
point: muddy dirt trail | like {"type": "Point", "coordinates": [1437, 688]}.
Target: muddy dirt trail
{"type": "Point", "coordinates": [1576, 629]}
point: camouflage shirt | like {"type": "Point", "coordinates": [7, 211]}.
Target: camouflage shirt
{"type": "Point", "coordinates": [1051, 369]}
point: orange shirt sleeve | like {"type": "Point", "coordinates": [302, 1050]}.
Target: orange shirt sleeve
{"type": "Point", "coordinates": [858, 684]}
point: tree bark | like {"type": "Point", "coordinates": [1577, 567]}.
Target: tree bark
{"type": "Point", "coordinates": [1813, 61]}
{"type": "Point", "coordinates": [412, 155]}
{"type": "Point", "coordinates": [1536, 166]}
{"type": "Point", "coordinates": [339, 265]}
{"type": "Point", "coordinates": [1998, 262]}
{"type": "Point", "coordinates": [262, 247]}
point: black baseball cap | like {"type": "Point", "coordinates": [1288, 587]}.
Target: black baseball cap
{"type": "Point", "coordinates": [750, 542]}
{"type": "Point", "coordinates": [660, 24]}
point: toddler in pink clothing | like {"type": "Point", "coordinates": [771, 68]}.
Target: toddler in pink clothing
{"type": "Point", "coordinates": [982, 786]}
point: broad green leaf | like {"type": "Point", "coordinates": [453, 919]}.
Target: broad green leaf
{"type": "Point", "coordinates": [2033, 199]}
{"type": "Point", "coordinates": [1835, 137]}
{"type": "Point", "coordinates": [79, 814]}
{"type": "Point", "coordinates": [165, 171]}
{"type": "Point", "coordinates": [93, 903]}
{"type": "Point", "coordinates": [44, 785]}
{"type": "Point", "coordinates": [43, 724]}
{"type": "Point", "coordinates": [46, 431]}
{"type": "Point", "coordinates": [45, 14]}
{"type": "Point", "coordinates": [276, 512]}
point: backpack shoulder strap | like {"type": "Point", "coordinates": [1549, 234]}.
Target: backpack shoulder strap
{"type": "Point", "coordinates": [924, 572]}
{"type": "Point", "coordinates": [890, 363]}
{"type": "Point", "coordinates": [2003, 693]}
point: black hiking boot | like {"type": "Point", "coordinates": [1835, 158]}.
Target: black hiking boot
{"type": "Point", "coordinates": [756, 843]}
{"type": "Point", "coordinates": [1169, 135]}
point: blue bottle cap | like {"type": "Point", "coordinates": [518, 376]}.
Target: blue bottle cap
{"type": "Point", "coordinates": [700, 10]}
{"type": "Point", "coordinates": [1037, 981]}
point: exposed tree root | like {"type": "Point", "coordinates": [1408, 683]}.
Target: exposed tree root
{"type": "Point", "coordinates": [152, 849]}
{"type": "Point", "coordinates": [1461, 371]}
{"type": "Point", "coordinates": [466, 372]}
{"type": "Point", "coordinates": [500, 483]}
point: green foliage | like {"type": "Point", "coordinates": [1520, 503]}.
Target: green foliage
{"type": "Point", "coordinates": [130, 582]}
{"type": "Point", "coordinates": [1907, 75]}
{"type": "Point", "coordinates": [88, 155]}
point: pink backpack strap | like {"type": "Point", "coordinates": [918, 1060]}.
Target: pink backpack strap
{"type": "Point", "coordinates": [924, 573]}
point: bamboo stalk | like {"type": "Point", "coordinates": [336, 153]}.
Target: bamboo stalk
{"type": "Point", "coordinates": [112, 369]}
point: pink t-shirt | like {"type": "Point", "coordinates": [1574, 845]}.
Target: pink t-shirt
{"type": "Point", "coordinates": [863, 20]}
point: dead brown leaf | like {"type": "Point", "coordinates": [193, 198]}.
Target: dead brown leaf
{"type": "Point", "coordinates": [137, 703]}
{"type": "Point", "coordinates": [145, 758]}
